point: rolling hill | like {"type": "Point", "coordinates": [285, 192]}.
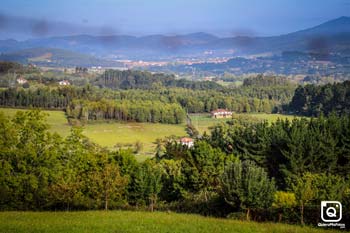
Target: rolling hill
{"type": "Point", "coordinates": [329, 37]}
{"type": "Point", "coordinates": [55, 57]}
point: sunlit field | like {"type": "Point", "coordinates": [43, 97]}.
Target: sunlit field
{"type": "Point", "coordinates": [56, 119]}
{"type": "Point", "coordinates": [110, 134]}
{"type": "Point", "coordinates": [114, 133]}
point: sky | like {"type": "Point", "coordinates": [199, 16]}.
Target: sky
{"type": "Point", "coordinates": [22, 19]}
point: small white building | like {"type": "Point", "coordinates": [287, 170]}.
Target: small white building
{"type": "Point", "coordinates": [221, 113]}
{"type": "Point", "coordinates": [96, 69]}
{"type": "Point", "coordinates": [21, 80]}
{"type": "Point", "coordinates": [64, 83]}
{"type": "Point", "coordinates": [189, 142]}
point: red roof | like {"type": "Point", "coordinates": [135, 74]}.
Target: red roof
{"type": "Point", "coordinates": [186, 140]}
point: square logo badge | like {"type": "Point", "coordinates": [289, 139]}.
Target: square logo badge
{"type": "Point", "coordinates": [331, 211]}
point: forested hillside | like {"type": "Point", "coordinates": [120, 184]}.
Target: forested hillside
{"type": "Point", "coordinates": [143, 96]}
{"type": "Point", "coordinates": [266, 81]}
{"type": "Point", "coordinates": [131, 79]}
{"type": "Point", "coordinates": [10, 67]}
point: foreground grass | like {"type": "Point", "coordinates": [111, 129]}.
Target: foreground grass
{"type": "Point", "coordinates": [135, 222]}
{"type": "Point", "coordinates": [110, 134]}
{"type": "Point", "coordinates": [203, 122]}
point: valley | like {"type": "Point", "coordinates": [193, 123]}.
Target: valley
{"type": "Point", "coordinates": [174, 116]}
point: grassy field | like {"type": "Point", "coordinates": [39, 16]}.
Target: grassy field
{"type": "Point", "coordinates": [203, 121]}
{"type": "Point", "coordinates": [265, 116]}
{"type": "Point", "coordinates": [110, 134]}
{"type": "Point", "coordinates": [134, 222]}
{"type": "Point", "coordinates": [56, 120]}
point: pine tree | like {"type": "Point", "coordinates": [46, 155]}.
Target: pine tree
{"type": "Point", "coordinates": [247, 186]}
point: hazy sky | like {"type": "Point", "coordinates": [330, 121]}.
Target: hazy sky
{"type": "Point", "coordinates": [136, 17]}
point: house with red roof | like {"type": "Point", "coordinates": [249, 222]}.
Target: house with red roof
{"type": "Point", "coordinates": [189, 142]}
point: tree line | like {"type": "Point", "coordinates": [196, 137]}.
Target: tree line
{"type": "Point", "coordinates": [277, 172]}
{"type": "Point", "coordinates": [193, 96]}
{"type": "Point", "coordinates": [245, 99]}
{"type": "Point", "coordinates": [126, 110]}
{"type": "Point", "coordinates": [265, 81]}
{"type": "Point", "coordinates": [8, 67]}
{"type": "Point", "coordinates": [307, 158]}
{"type": "Point", "coordinates": [57, 98]}
{"type": "Point", "coordinates": [135, 79]}
{"type": "Point", "coordinates": [312, 100]}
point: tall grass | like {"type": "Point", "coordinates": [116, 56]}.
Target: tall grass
{"type": "Point", "coordinates": [134, 222]}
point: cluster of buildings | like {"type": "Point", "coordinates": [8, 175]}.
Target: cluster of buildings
{"type": "Point", "coordinates": [218, 113]}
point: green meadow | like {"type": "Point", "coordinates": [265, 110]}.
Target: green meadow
{"type": "Point", "coordinates": [267, 116]}
{"type": "Point", "coordinates": [56, 119]}
{"type": "Point", "coordinates": [109, 134]}
{"type": "Point", "coordinates": [135, 222]}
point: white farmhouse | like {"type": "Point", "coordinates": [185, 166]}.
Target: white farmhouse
{"type": "Point", "coordinates": [221, 113]}
{"type": "Point", "coordinates": [21, 80]}
{"type": "Point", "coordinates": [64, 83]}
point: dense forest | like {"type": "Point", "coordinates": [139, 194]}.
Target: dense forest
{"type": "Point", "coordinates": [265, 81]}
{"type": "Point", "coordinates": [276, 172]}
{"type": "Point", "coordinates": [153, 94]}
{"type": "Point", "coordinates": [133, 79]}
{"type": "Point", "coordinates": [192, 101]}
{"type": "Point", "coordinates": [268, 94]}
{"type": "Point", "coordinates": [126, 110]}
{"type": "Point", "coordinates": [287, 148]}
{"type": "Point", "coordinates": [312, 100]}
{"type": "Point", "coordinates": [8, 67]}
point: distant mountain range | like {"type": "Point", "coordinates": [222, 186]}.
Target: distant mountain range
{"type": "Point", "coordinates": [56, 58]}
{"type": "Point", "coordinates": [330, 37]}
